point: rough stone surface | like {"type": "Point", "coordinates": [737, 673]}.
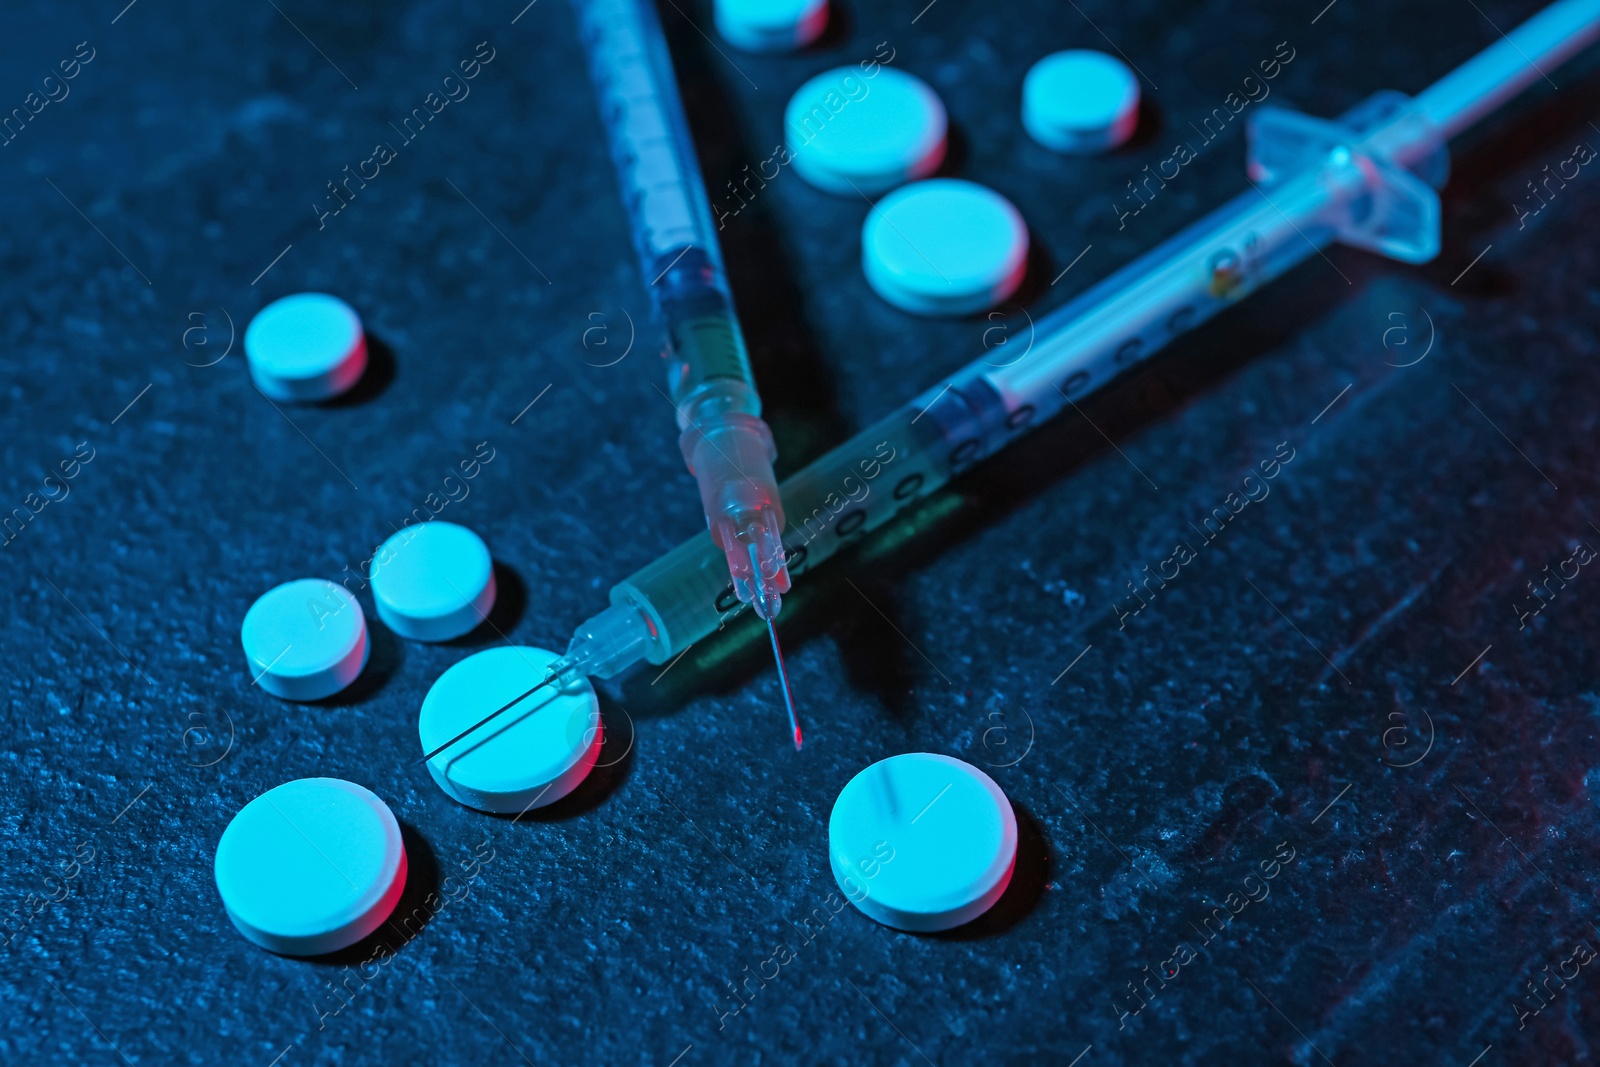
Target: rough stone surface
{"type": "Point", "coordinates": [1261, 703]}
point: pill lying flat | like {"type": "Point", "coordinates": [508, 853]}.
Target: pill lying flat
{"type": "Point", "coordinates": [311, 866]}
{"type": "Point", "coordinates": [309, 346]}
{"type": "Point", "coordinates": [1080, 101]}
{"type": "Point", "coordinates": [771, 25]}
{"type": "Point", "coordinates": [305, 640]}
{"type": "Point", "coordinates": [922, 842]}
{"type": "Point", "coordinates": [532, 755]}
{"type": "Point", "coordinates": [944, 247]}
{"type": "Point", "coordinates": [433, 581]}
{"type": "Point", "coordinates": [853, 135]}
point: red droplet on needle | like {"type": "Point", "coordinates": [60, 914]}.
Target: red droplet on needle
{"type": "Point", "coordinates": [783, 680]}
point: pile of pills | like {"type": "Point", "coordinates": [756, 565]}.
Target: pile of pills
{"type": "Point", "coordinates": [918, 842]}
{"type": "Point", "coordinates": [314, 865]}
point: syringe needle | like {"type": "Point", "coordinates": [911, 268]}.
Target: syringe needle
{"type": "Point", "coordinates": [783, 679]}
{"type": "Point", "coordinates": [517, 700]}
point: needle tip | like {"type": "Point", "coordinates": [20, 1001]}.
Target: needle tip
{"type": "Point", "coordinates": [783, 680]}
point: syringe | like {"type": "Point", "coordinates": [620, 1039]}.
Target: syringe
{"type": "Point", "coordinates": [725, 444]}
{"type": "Point", "coordinates": [1367, 180]}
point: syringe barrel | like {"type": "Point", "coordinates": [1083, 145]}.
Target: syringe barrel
{"type": "Point", "coordinates": [1510, 65]}
{"type": "Point", "coordinates": [708, 366]}
{"type": "Point", "coordinates": [668, 209]}
{"type": "Point", "coordinates": [647, 131]}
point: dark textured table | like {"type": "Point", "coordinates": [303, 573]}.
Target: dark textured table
{"type": "Point", "coordinates": [1337, 774]}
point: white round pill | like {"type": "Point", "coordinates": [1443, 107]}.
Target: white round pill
{"type": "Point", "coordinates": [922, 842]}
{"type": "Point", "coordinates": [529, 756]}
{"type": "Point", "coordinates": [771, 25]}
{"type": "Point", "coordinates": [305, 639]}
{"type": "Point", "coordinates": [852, 134]}
{"type": "Point", "coordinates": [944, 247]}
{"type": "Point", "coordinates": [433, 581]}
{"type": "Point", "coordinates": [1080, 101]}
{"type": "Point", "coordinates": [309, 346]}
{"type": "Point", "coordinates": [311, 866]}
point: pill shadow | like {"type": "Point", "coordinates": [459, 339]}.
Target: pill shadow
{"type": "Point", "coordinates": [1147, 129]}
{"type": "Point", "coordinates": [957, 152]}
{"type": "Point", "coordinates": [1028, 879]}
{"type": "Point", "coordinates": [1035, 284]}
{"type": "Point", "coordinates": [510, 601]}
{"type": "Point", "coordinates": [611, 768]}
{"type": "Point", "coordinates": [374, 381]}
{"type": "Point", "coordinates": [841, 22]}
{"type": "Point", "coordinates": [411, 912]}
{"type": "Point", "coordinates": [383, 661]}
